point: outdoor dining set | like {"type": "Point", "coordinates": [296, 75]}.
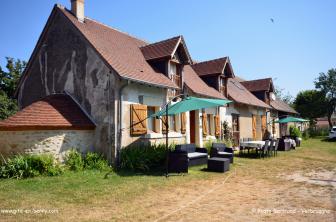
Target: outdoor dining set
{"type": "Point", "coordinates": [220, 156]}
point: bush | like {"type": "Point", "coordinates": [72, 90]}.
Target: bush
{"type": "Point", "coordinates": [314, 132]}
{"type": "Point", "coordinates": [95, 161]}
{"type": "Point", "coordinates": [305, 135]}
{"type": "Point", "coordinates": [74, 160]}
{"type": "Point", "coordinates": [143, 157]}
{"type": "Point", "coordinates": [24, 166]}
{"type": "Point", "coordinates": [294, 131]}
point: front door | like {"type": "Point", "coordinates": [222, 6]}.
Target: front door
{"type": "Point", "coordinates": [192, 126]}
{"type": "Point", "coordinates": [235, 129]}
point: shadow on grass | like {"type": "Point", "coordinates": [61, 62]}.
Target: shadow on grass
{"type": "Point", "coordinates": [328, 140]}
{"type": "Point", "coordinates": [131, 173]}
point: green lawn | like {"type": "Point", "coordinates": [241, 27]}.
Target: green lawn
{"type": "Point", "coordinates": [85, 193]}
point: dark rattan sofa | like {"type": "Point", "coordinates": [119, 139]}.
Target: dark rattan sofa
{"type": "Point", "coordinates": [186, 155]}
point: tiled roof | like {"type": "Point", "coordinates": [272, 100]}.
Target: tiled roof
{"type": "Point", "coordinates": [240, 94]}
{"type": "Point", "coordinates": [54, 112]}
{"type": "Point", "coordinates": [282, 106]}
{"type": "Point", "coordinates": [197, 85]}
{"type": "Point", "coordinates": [121, 51]}
{"type": "Point", "coordinates": [258, 85]}
{"type": "Point", "coordinates": [160, 49]}
{"type": "Point", "coordinates": [215, 66]}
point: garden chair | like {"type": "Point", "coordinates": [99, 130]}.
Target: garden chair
{"type": "Point", "coordinates": [276, 147]}
{"type": "Point", "coordinates": [264, 151]}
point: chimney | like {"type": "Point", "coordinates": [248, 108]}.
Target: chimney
{"type": "Point", "coordinates": [77, 8]}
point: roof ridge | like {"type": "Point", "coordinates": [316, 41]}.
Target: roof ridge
{"type": "Point", "coordinates": [212, 60]}
{"type": "Point", "coordinates": [103, 24]}
{"type": "Point", "coordinates": [258, 79]}
{"type": "Point", "coordinates": [115, 29]}
{"type": "Point", "coordinates": [162, 41]}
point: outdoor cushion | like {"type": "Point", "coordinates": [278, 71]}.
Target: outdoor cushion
{"type": "Point", "coordinates": [196, 155]}
{"type": "Point", "coordinates": [223, 153]}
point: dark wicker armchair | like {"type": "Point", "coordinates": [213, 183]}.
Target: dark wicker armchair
{"type": "Point", "coordinates": [220, 150]}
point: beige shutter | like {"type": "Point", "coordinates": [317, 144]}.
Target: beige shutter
{"type": "Point", "coordinates": [138, 119]}
{"type": "Point", "coordinates": [254, 127]}
{"type": "Point", "coordinates": [183, 123]}
{"type": "Point", "coordinates": [176, 122]}
{"type": "Point", "coordinates": [217, 125]}
{"type": "Point", "coordinates": [204, 124]}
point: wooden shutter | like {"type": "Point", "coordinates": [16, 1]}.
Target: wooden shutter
{"type": "Point", "coordinates": [273, 127]}
{"type": "Point", "coordinates": [164, 121]}
{"type": "Point", "coordinates": [263, 124]}
{"type": "Point", "coordinates": [254, 127]}
{"type": "Point", "coordinates": [138, 119]}
{"type": "Point", "coordinates": [183, 123]}
{"type": "Point", "coordinates": [204, 124]}
{"type": "Point", "coordinates": [217, 125]}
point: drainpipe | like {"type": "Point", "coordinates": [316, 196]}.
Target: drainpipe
{"type": "Point", "coordinates": [119, 130]}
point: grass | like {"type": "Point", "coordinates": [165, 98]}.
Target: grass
{"type": "Point", "coordinates": [115, 196]}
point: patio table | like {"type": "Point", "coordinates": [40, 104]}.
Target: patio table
{"type": "Point", "coordinates": [253, 144]}
{"type": "Point", "coordinates": [257, 145]}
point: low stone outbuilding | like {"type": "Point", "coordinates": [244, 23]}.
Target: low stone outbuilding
{"type": "Point", "coordinates": [53, 125]}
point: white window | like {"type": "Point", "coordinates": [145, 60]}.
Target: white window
{"type": "Point", "coordinates": [151, 120]}
{"type": "Point", "coordinates": [173, 69]}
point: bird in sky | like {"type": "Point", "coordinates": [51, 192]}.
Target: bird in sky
{"type": "Point", "coordinates": [272, 20]}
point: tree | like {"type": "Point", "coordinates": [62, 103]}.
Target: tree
{"type": "Point", "coordinates": [8, 83]}
{"type": "Point", "coordinates": [326, 83]}
{"type": "Point", "coordinates": [310, 104]}
{"type": "Point", "coordinates": [284, 96]}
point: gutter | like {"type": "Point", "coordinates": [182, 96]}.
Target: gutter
{"type": "Point", "coordinates": [119, 129]}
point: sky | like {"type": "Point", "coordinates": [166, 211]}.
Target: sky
{"type": "Point", "coordinates": [291, 41]}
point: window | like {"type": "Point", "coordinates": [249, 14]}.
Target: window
{"type": "Point", "coordinates": [235, 123]}
{"type": "Point", "coordinates": [222, 85]}
{"type": "Point", "coordinates": [171, 123]}
{"type": "Point", "coordinates": [150, 120]}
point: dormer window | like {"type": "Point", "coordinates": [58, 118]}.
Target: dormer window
{"type": "Point", "coordinates": [222, 85]}
{"type": "Point", "coordinates": [175, 73]}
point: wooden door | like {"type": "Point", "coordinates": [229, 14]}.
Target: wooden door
{"type": "Point", "coordinates": [235, 129]}
{"type": "Point", "coordinates": [192, 126]}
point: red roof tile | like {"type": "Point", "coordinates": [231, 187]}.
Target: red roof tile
{"type": "Point", "coordinates": [121, 51]}
{"type": "Point", "coordinates": [160, 49]}
{"type": "Point", "coordinates": [240, 94]}
{"type": "Point", "coordinates": [54, 112]}
{"type": "Point", "coordinates": [282, 106]}
{"type": "Point", "coordinates": [197, 85]}
{"type": "Point", "coordinates": [215, 66]}
{"type": "Point", "coordinates": [259, 85]}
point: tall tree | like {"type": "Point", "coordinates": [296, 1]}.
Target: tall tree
{"type": "Point", "coordinates": [326, 83]}
{"type": "Point", "coordinates": [8, 83]}
{"type": "Point", "coordinates": [310, 104]}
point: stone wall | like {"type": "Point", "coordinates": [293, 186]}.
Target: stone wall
{"type": "Point", "coordinates": [56, 142]}
{"type": "Point", "coordinates": [65, 61]}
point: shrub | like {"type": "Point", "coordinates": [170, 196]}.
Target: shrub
{"type": "Point", "coordinates": [305, 135]}
{"type": "Point", "coordinates": [294, 131]}
{"type": "Point", "coordinates": [74, 160]}
{"type": "Point", "coordinates": [24, 166]}
{"type": "Point", "coordinates": [95, 161]}
{"type": "Point", "coordinates": [314, 132]}
{"type": "Point", "coordinates": [143, 157]}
